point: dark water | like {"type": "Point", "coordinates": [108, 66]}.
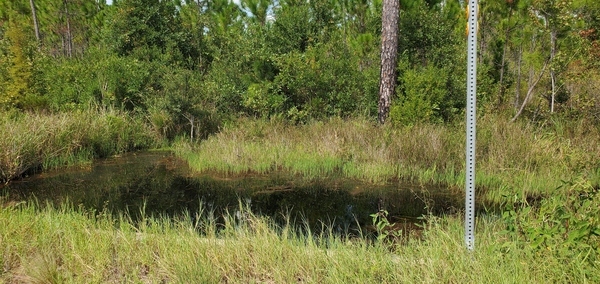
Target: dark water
{"type": "Point", "coordinates": [158, 183]}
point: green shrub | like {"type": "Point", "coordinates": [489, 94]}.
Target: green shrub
{"type": "Point", "coordinates": [260, 100]}
{"type": "Point", "coordinates": [327, 80]}
{"type": "Point", "coordinates": [424, 90]}
{"type": "Point", "coordinates": [564, 224]}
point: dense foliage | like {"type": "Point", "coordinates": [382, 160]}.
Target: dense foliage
{"type": "Point", "coordinates": [187, 65]}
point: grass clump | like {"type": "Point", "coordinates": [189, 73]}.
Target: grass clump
{"type": "Point", "coordinates": [30, 142]}
{"type": "Point", "coordinates": [509, 155]}
{"type": "Point", "coordinates": [45, 244]}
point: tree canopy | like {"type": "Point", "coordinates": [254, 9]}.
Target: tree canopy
{"type": "Point", "coordinates": [178, 61]}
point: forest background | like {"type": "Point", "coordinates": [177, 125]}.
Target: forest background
{"type": "Point", "coordinates": [179, 63]}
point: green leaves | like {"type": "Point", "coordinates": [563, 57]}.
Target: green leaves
{"type": "Point", "coordinates": [17, 83]}
{"type": "Point", "coordinates": [565, 223]}
{"type": "Point", "coordinates": [260, 99]}
{"type": "Point", "coordinates": [424, 92]}
{"type": "Point", "coordinates": [149, 30]}
{"type": "Point", "coordinates": [258, 9]}
{"type": "Point", "coordinates": [383, 227]}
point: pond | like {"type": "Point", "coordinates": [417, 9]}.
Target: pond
{"type": "Point", "coordinates": [159, 183]}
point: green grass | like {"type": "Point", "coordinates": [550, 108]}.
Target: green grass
{"type": "Point", "coordinates": [31, 142]}
{"type": "Point", "coordinates": [42, 244]}
{"type": "Point", "coordinates": [45, 244]}
{"type": "Point", "coordinates": [510, 156]}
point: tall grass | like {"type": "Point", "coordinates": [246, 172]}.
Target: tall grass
{"type": "Point", "coordinates": [31, 142]}
{"type": "Point", "coordinates": [510, 156]}
{"type": "Point", "coordinates": [66, 245]}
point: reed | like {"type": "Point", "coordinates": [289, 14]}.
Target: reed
{"type": "Point", "coordinates": [31, 142]}
{"type": "Point", "coordinates": [516, 156]}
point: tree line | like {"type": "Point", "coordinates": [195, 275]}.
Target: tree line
{"type": "Point", "coordinates": [183, 63]}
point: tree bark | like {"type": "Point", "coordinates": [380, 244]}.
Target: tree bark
{"type": "Point", "coordinates": [36, 25]}
{"type": "Point", "coordinates": [191, 118]}
{"type": "Point", "coordinates": [553, 36]}
{"type": "Point", "coordinates": [68, 36]}
{"type": "Point", "coordinates": [389, 53]}
{"type": "Point", "coordinates": [502, 69]}
{"type": "Point", "coordinates": [503, 63]}
{"type": "Point", "coordinates": [518, 83]}
{"type": "Point", "coordinates": [532, 83]}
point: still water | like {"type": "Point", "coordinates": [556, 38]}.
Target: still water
{"type": "Point", "coordinates": [158, 183]}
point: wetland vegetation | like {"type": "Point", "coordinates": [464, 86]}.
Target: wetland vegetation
{"type": "Point", "coordinates": [521, 238]}
{"type": "Point", "coordinates": [289, 90]}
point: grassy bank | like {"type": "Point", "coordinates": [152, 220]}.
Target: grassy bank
{"type": "Point", "coordinates": [31, 142]}
{"type": "Point", "coordinates": [53, 245]}
{"type": "Point", "coordinates": [510, 156]}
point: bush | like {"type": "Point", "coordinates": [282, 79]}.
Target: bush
{"type": "Point", "coordinates": [423, 93]}
{"type": "Point", "coordinates": [327, 80]}
{"type": "Point", "coordinates": [564, 225]}
{"type": "Point", "coordinates": [260, 100]}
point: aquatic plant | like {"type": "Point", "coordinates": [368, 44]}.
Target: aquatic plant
{"type": "Point", "coordinates": [30, 142]}
{"type": "Point", "coordinates": [509, 155]}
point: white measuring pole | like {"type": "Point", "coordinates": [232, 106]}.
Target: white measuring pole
{"type": "Point", "coordinates": [471, 124]}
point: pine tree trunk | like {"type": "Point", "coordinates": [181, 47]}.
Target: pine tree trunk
{"type": "Point", "coordinates": [68, 36]}
{"type": "Point", "coordinates": [36, 25]}
{"type": "Point", "coordinates": [553, 36]}
{"type": "Point", "coordinates": [389, 53]}
{"type": "Point", "coordinates": [518, 83]}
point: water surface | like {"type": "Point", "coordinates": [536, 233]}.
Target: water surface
{"type": "Point", "coordinates": [158, 183]}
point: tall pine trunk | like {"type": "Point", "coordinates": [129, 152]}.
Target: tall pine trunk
{"type": "Point", "coordinates": [389, 53]}
{"type": "Point", "coordinates": [553, 38]}
{"type": "Point", "coordinates": [36, 25]}
{"type": "Point", "coordinates": [517, 101]}
{"type": "Point", "coordinates": [68, 36]}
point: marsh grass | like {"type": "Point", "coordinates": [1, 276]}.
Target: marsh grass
{"type": "Point", "coordinates": [31, 142]}
{"type": "Point", "coordinates": [510, 156]}
{"type": "Point", "coordinates": [45, 244]}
